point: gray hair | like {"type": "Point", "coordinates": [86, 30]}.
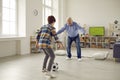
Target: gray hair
{"type": "Point", "coordinates": [69, 18]}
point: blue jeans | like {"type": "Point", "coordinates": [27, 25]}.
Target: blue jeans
{"type": "Point", "coordinates": [69, 42]}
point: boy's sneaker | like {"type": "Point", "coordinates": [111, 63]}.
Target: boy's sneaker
{"type": "Point", "coordinates": [50, 75]}
{"type": "Point", "coordinates": [67, 58]}
{"type": "Point", "coordinates": [79, 59]}
{"type": "Point", "coordinates": [44, 70]}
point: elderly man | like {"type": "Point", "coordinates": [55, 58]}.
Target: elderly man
{"type": "Point", "coordinates": [72, 29]}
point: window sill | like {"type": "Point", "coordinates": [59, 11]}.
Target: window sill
{"type": "Point", "coordinates": [9, 38]}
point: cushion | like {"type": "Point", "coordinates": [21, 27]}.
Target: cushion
{"type": "Point", "coordinates": [60, 52]}
{"type": "Point", "coordinates": [100, 55]}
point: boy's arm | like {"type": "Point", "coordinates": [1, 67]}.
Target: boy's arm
{"type": "Point", "coordinates": [37, 39]}
{"type": "Point", "coordinates": [56, 38]}
{"type": "Point", "coordinates": [53, 31]}
{"type": "Point", "coordinates": [38, 36]}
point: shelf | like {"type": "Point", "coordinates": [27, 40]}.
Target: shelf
{"type": "Point", "coordinates": [33, 48]}
{"type": "Point", "coordinates": [98, 42]}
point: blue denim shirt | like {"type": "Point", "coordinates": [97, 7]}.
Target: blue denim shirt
{"type": "Point", "coordinates": [72, 30]}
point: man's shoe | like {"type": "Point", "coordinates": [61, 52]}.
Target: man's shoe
{"type": "Point", "coordinates": [67, 58]}
{"type": "Point", "coordinates": [79, 59]}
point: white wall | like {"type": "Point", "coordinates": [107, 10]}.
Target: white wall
{"type": "Point", "coordinates": [0, 15]}
{"type": "Point", "coordinates": [94, 12]}
{"type": "Point", "coordinates": [7, 48]}
{"type": "Point", "coordinates": [21, 18]}
{"type": "Point", "coordinates": [31, 22]}
{"type": "Point", "coordinates": [62, 18]}
{"type": "Point", "coordinates": [62, 12]}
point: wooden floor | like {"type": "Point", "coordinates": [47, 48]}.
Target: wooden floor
{"type": "Point", "coordinates": [28, 67]}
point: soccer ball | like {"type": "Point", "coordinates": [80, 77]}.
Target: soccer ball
{"type": "Point", "coordinates": [55, 67]}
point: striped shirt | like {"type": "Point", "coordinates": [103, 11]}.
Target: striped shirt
{"type": "Point", "coordinates": [45, 36]}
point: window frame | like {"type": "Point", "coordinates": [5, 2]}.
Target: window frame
{"type": "Point", "coordinates": [54, 11]}
{"type": "Point", "coordinates": [16, 20]}
{"type": "Point", "coordinates": [44, 6]}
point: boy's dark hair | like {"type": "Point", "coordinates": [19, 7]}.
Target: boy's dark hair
{"type": "Point", "coordinates": [51, 19]}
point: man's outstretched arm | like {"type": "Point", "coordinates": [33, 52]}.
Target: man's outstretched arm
{"type": "Point", "coordinates": [61, 30]}
{"type": "Point", "coordinates": [80, 28]}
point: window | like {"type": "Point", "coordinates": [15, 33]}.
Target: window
{"type": "Point", "coordinates": [50, 7]}
{"type": "Point", "coordinates": [47, 10]}
{"type": "Point", "coordinates": [9, 17]}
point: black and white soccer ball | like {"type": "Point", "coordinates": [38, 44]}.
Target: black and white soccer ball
{"type": "Point", "coordinates": [55, 67]}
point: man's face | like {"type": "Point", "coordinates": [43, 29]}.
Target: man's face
{"type": "Point", "coordinates": [69, 22]}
